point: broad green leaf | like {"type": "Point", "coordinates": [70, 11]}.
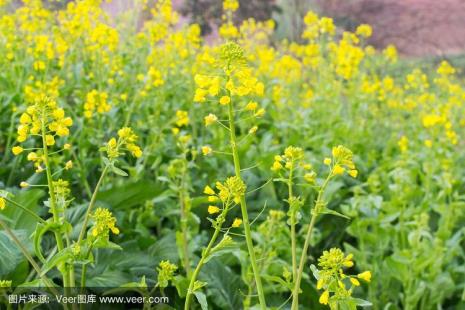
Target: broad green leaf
{"type": "Point", "coordinates": [19, 218]}
{"type": "Point", "coordinates": [10, 254]}
{"type": "Point", "coordinates": [202, 299]}
{"type": "Point", "coordinates": [224, 285]}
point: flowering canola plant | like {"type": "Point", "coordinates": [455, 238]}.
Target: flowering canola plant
{"type": "Point", "coordinates": [247, 172]}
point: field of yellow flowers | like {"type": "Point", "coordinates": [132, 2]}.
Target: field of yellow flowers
{"type": "Point", "coordinates": [246, 173]}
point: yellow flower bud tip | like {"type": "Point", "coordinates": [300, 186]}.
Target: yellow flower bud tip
{"type": "Point", "coordinates": [253, 130]}
{"type": "Point", "coordinates": [212, 199]}
{"type": "Point", "coordinates": [327, 161]}
{"type": "Point", "coordinates": [69, 165]}
{"type": "Point", "coordinates": [210, 119]}
{"type": "Point", "coordinates": [17, 150]}
{"type": "Point", "coordinates": [67, 146]}
{"type": "Point", "coordinates": [225, 100]}
{"type": "Point", "coordinates": [354, 281]}
{"type": "Point", "coordinates": [213, 209]}
{"type": "Point", "coordinates": [237, 222]}
{"type": "Point", "coordinates": [208, 190]}
{"type": "Point", "coordinates": [338, 170]}
{"type": "Point", "coordinates": [366, 276]}
{"type": "Point", "coordinates": [307, 166]}
{"type": "Point", "coordinates": [49, 140]}
{"type": "Point", "coordinates": [324, 298]}
{"type": "Point", "coordinates": [32, 156]}
{"type": "Point", "coordinates": [260, 113]}
{"type": "Point", "coordinates": [2, 203]}
{"type": "Point", "coordinates": [348, 263]}
{"type": "Point", "coordinates": [276, 166]}
{"type": "Point", "coordinates": [353, 173]}
{"type": "Point", "coordinates": [23, 184]}
{"type": "Point", "coordinates": [251, 106]}
{"type": "Point", "coordinates": [319, 284]}
{"type": "Point", "coordinates": [206, 150]}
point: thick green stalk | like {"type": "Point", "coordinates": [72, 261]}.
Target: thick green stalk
{"type": "Point", "coordinates": [205, 254]}
{"type": "Point", "coordinates": [184, 220]}
{"type": "Point", "coordinates": [51, 190]}
{"type": "Point", "coordinates": [245, 216]}
{"type": "Point", "coordinates": [293, 234]}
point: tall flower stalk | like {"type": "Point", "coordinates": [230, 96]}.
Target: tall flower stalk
{"type": "Point", "coordinates": [341, 162]}
{"type": "Point", "coordinates": [229, 194]}
{"type": "Point", "coordinates": [243, 204]}
{"type": "Point", "coordinates": [234, 83]}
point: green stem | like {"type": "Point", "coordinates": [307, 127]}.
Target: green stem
{"type": "Point", "coordinates": [38, 218]}
{"type": "Point", "coordinates": [303, 258]}
{"type": "Point", "coordinates": [245, 216]}
{"type": "Point", "coordinates": [293, 234]}
{"type": "Point", "coordinates": [205, 254]}
{"type": "Point", "coordinates": [53, 208]}
{"type": "Point", "coordinates": [184, 231]}
{"type": "Point", "coordinates": [91, 204]}
{"type": "Point", "coordinates": [83, 277]}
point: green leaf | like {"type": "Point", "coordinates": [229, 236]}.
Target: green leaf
{"type": "Point", "coordinates": [105, 160]}
{"type": "Point", "coordinates": [10, 254]}
{"type": "Point", "coordinates": [332, 212]}
{"type": "Point", "coordinates": [41, 229]}
{"type": "Point", "coordinates": [224, 285]}
{"type": "Point", "coordinates": [118, 171]}
{"type": "Point", "coordinates": [362, 302]}
{"type": "Point", "coordinates": [108, 278]}
{"type": "Point", "coordinates": [130, 194]}
{"type": "Point", "coordinates": [60, 258]}
{"type": "Point", "coordinates": [202, 299]}
{"type": "Point", "coordinates": [182, 284]}
{"type": "Point", "coordinates": [20, 219]}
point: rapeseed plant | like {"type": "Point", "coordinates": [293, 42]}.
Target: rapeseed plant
{"type": "Point", "coordinates": [73, 75]}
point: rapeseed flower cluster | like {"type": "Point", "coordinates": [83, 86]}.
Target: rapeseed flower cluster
{"type": "Point", "coordinates": [104, 222]}
{"type": "Point", "coordinates": [126, 141]}
{"type": "Point", "coordinates": [333, 280]}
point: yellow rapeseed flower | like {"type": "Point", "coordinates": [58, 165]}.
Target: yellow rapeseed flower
{"type": "Point", "coordinates": [237, 222]}
{"type": "Point", "coordinates": [324, 298]}
{"type": "Point", "coordinates": [17, 150]}
{"type": "Point", "coordinates": [225, 100]}
{"type": "Point", "coordinates": [354, 281]}
{"type": "Point", "coordinates": [208, 190]}
{"type": "Point", "coordinates": [338, 170]}
{"type": "Point", "coordinates": [213, 209]}
{"type": "Point", "coordinates": [210, 119]}
{"type": "Point", "coordinates": [366, 276]}
{"type": "Point", "coordinates": [206, 150]}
